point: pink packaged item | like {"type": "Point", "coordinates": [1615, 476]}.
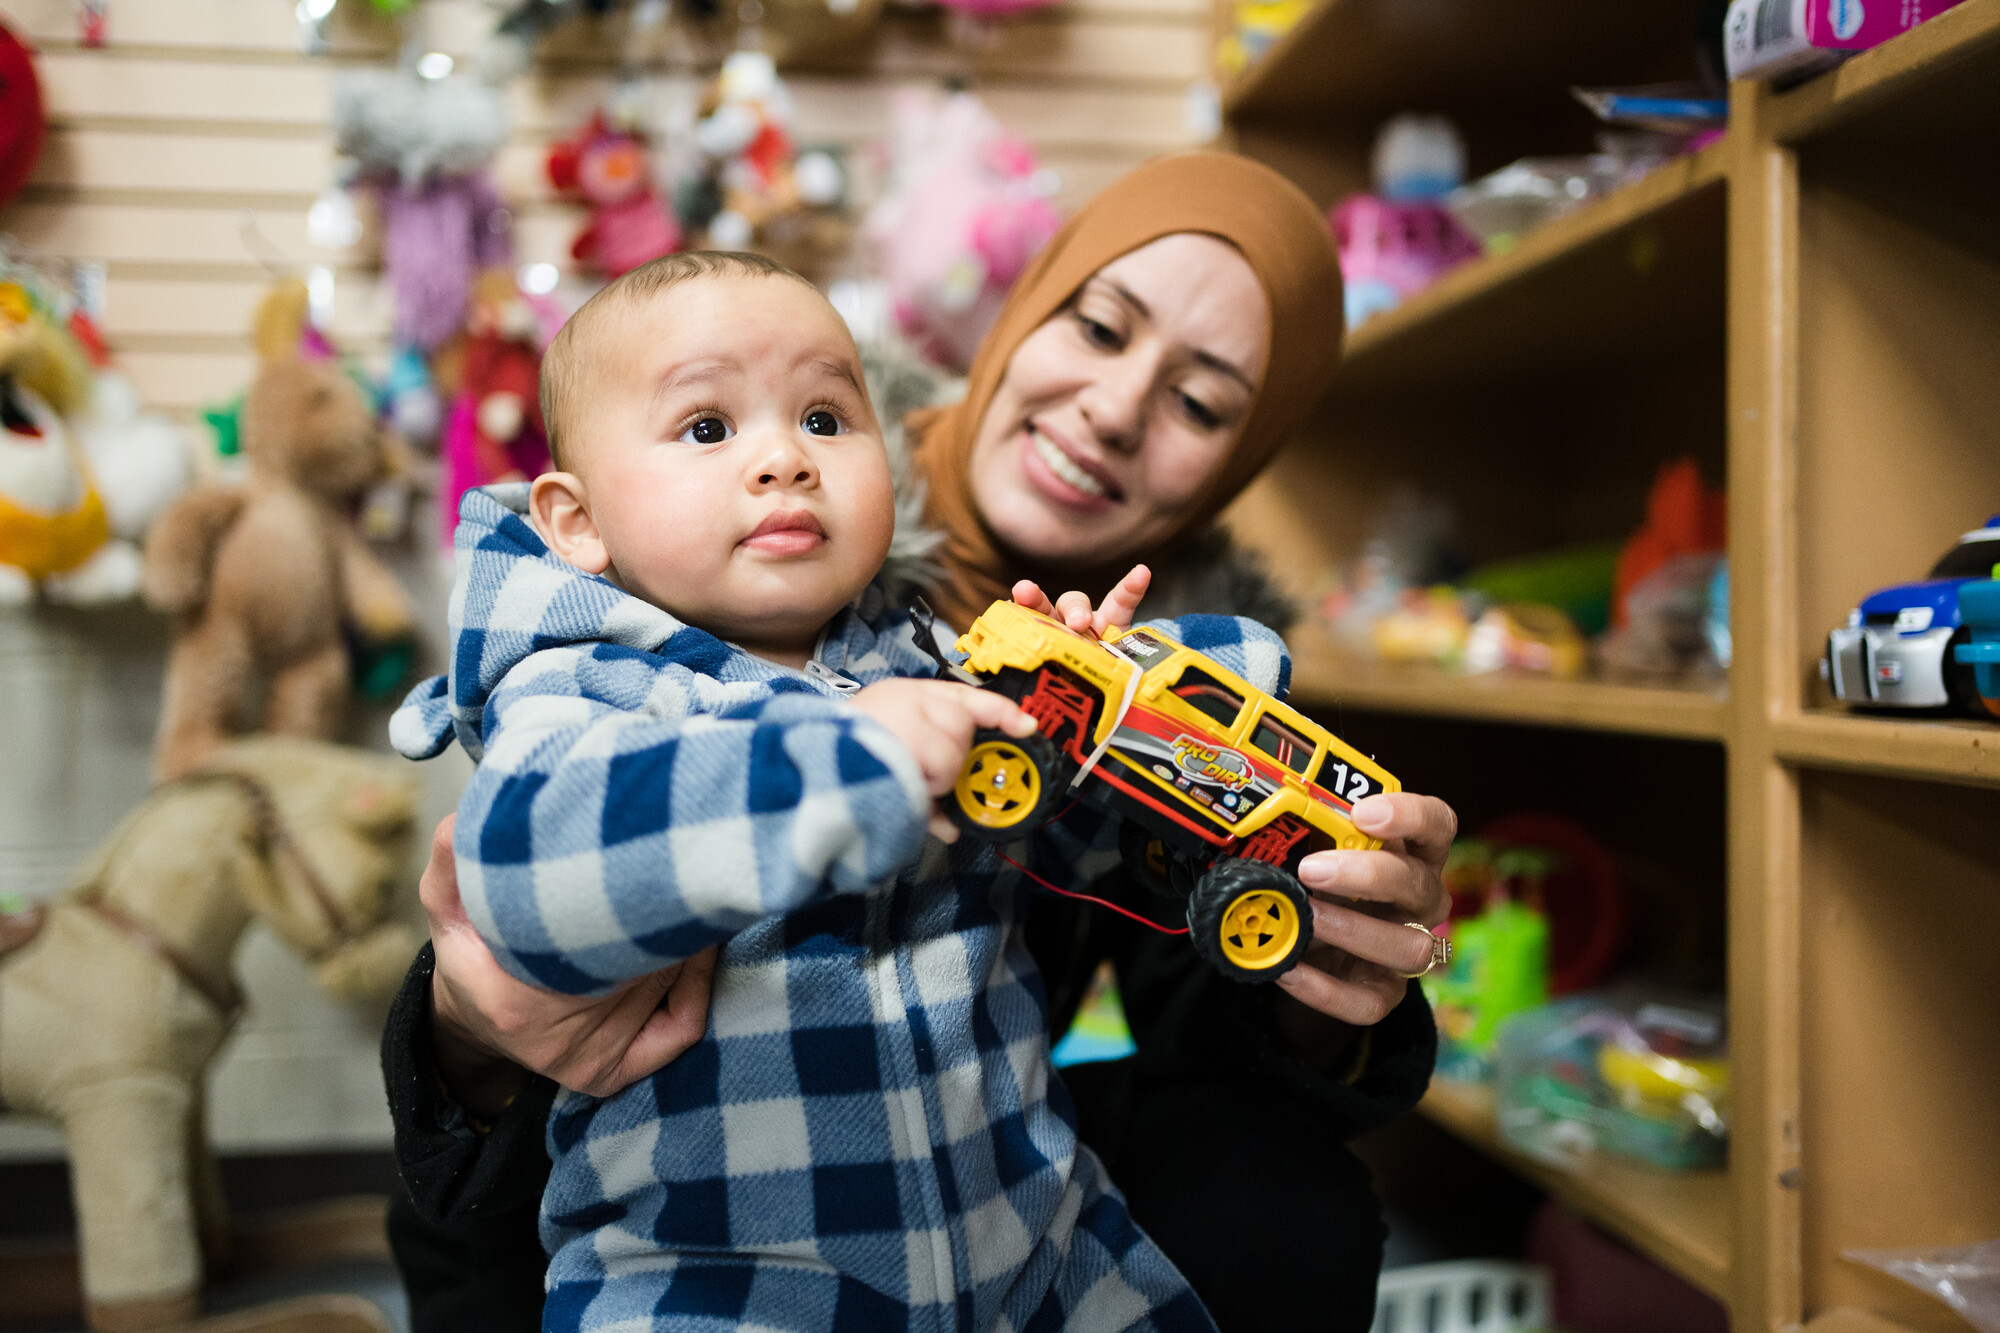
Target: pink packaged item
{"type": "Point", "coordinates": [1771, 39]}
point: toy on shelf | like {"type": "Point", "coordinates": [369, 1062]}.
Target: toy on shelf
{"type": "Point", "coordinates": [1400, 239]}
{"type": "Point", "coordinates": [1390, 251]}
{"type": "Point", "coordinates": [967, 206]}
{"type": "Point", "coordinates": [495, 431]}
{"type": "Point", "coordinates": [1500, 959]}
{"type": "Point", "coordinates": [1979, 612]}
{"type": "Point", "coordinates": [1503, 206]}
{"type": "Point", "coordinates": [607, 167]}
{"type": "Point", "coordinates": [267, 578]}
{"type": "Point", "coordinates": [21, 118]}
{"type": "Point", "coordinates": [1660, 592]}
{"type": "Point", "coordinates": [1223, 789]}
{"type": "Point", "coordinates": [1792, 39]}
{"type": "Point", "coordinates": [122, 990]}
{"type": "Point", "coordinates": [423, 147]}
{"type": "Point", "coordinates": [1255, 26]}
{"type": "Point", "coordinates": [1636, 1077]}
{"type": "Point", "coordinates": [83, 472]}
{"type": "Point", "coordinates": [1524, 636]}
{"type": "Point", "coordinates": [1896, 649]}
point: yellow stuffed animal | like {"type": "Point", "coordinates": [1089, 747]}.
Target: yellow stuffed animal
{"type": "Point", "coordinates": [110, 1015]}
{"type": "Point", "coordinates": [264, 576]}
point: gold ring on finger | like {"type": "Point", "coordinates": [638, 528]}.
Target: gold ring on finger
{"type": "Point", "coordinates": [1440, 951]}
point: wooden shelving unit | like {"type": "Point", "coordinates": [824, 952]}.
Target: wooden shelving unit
{"type": "Point", "coordinates": [1810, 308]}
{"type": "Point", "coordinates": [1324, 677]}
{"type": "Point", "coordinates": [1682, 1220]}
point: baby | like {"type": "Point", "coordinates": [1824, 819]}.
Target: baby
{"type": "Point", "coordinates": [698, 721]}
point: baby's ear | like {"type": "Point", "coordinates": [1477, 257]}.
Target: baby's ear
{"type": "Point", "coordinates": [560, 509]}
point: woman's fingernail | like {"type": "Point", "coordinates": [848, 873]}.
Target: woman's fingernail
{"type": "Point", "coordinates": [1372, 812]}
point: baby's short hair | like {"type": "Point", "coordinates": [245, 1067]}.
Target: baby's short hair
{"type": "Point", "coordinates": [563, 363]}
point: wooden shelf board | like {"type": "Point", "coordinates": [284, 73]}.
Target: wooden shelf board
{"type": "Point", "coordinates": [1323, 676]}
{"type": "Point", "coordinates": [1370, 59]}
{"type": "Point", "coordinates": [1587, 289]}
{"type": "Point", "coordinates": [1962, 44]}
{"type": "Point", "coordinates": [1940, 750]}
{"type": "Point", "coordinates": [1682, 1220]}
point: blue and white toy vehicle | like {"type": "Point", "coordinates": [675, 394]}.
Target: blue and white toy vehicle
{"type": "Point", "coordinates": [1896, 648]}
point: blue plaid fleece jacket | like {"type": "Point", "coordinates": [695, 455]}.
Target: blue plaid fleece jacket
{"type": "Point", "coordinates": [869, 1136]}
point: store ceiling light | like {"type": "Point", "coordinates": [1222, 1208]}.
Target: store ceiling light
{"type": "Point", "coordinates": [312, 11]}
{"type": "Point", "coordinates": [434, 65]}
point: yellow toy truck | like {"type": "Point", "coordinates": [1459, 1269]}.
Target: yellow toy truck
{"type": "Point", "coordinates": [1221, 787]}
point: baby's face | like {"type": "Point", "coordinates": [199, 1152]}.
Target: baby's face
{"type": "Point", "coordinates": [730, 462]}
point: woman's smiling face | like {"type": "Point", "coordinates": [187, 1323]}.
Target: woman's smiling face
{"type": "Point", "coordinates": [1113, 416]}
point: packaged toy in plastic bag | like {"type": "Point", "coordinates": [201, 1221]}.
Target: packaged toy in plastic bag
{"type": "Point", "coordinates": [1965, 1277]}
{"type": "Point", "coordinates": [1622, 1074]}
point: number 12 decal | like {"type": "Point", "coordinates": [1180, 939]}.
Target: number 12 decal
{"type": "Point", "coordinates": [1348, 784]}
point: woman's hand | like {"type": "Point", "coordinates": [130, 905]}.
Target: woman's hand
{"type": "Point", "coordinates": [935, 720]}
{"type": "Point", "coordinates": [1073, 608]}
{"type": "Point", "coordinates": [490, 1030]}
{"type": "Point", "coordinates": [1355, 970]}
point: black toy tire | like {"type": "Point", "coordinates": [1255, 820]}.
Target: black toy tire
{"type": "Point", "coordinates": [1051, 772]}
{"type": "Point", "coordinates": [1265, 887]}
{"type": "Point", "coordinates": [1149, 862]}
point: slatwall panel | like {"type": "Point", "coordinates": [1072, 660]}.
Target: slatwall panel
{"type": "Point", "coordinates": [198, 109]}
{"type": "Point", "coordinates": [201, 108]}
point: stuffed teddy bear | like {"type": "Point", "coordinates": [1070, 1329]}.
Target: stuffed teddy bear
{"type": "Point", "coordinates": [112, 1011]}
{"type": "Point", "coordinates": [264, 577]}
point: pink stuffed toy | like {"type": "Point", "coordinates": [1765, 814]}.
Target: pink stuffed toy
{"type": "Point", "coordinates": [629, 224]}
{"type": "Point", "coordinates": [1392, 249]}
{"type": "Point", "coordinates": [965, 212]}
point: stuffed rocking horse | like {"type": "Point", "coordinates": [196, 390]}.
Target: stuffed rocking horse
{"type": "Point", "coordinates": [111, 1012]}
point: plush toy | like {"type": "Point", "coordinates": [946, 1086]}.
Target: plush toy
{"type": "Point", "coordinates": [21, 123]}
{"type": "Point", "coordinates": [607, 168]}
{"type": "Point", "coordinates": [82, 471]}
{"type": "Point", "coordinates": [745, 136]}
{"type": "Point", "coordinates": [266, 577]}
{"type": "Point", "coordinates": [115, 1006]}
{"type": "Point", "coordinates": [424, 146]}
{"type": "Point", "coordinates": [495, 432]}
{"type": "Point", "coordinates": [52, 519]}
{"type": "Point", "coordinates": [965, 210]}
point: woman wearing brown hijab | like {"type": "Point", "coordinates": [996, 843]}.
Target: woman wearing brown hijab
{"type": "Point", "coordinates": [1143, 370]}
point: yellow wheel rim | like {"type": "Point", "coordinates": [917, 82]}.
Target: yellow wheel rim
{"type": "Point", "coordinates": [999, 785]}
{"type": "Point", "coordinates": [1259, 929]}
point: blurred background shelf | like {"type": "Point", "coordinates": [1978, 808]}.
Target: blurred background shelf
{"type": "Point", "coordinates": [1938, 77]}
{"type": "Point", "coordinates": [1938, 749]}
{"type": "Point", "coordinates": [1625, 275]}
{"type": "Point", "coordinates": [1683, 1221]}
{"type": "Point", "coordinates": [1326, 678]}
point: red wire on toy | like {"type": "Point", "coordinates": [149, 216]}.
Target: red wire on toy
{"type": "Point", "coordinates": [1164, 930]}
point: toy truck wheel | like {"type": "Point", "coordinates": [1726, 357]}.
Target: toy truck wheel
{"type": "Point", "coordinates": [1250, 920]}
{"type": "Point", "coordinates": [1009, 786]}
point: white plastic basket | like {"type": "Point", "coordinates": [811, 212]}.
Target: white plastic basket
{"type": "Point", "coordinates": [1473, 1296]}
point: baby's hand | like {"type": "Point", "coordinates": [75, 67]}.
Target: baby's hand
{"type": "Point", "coordinates": [935, 721]}
{"type": "Point", "coordinates": [1073, 608]}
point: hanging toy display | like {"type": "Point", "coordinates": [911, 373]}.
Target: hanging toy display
{"type": "Point", "coordinates": [967, 207]}
{"type": "Point", "coordinates": [83, 472]}
{"type": "Point", "coordinates": [21, 121]}
{"type": "Point", "coordinates": [495, 432]}
{"type": "Point", "coordinates": [423, 146]}
{"type": "Point", "coordinates": [606, 166]}
{"type": "Point", "coordinates": [756, 188]}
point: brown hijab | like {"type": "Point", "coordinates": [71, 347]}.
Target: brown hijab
{"type": "Point", "coordinates": [1287, 242]}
